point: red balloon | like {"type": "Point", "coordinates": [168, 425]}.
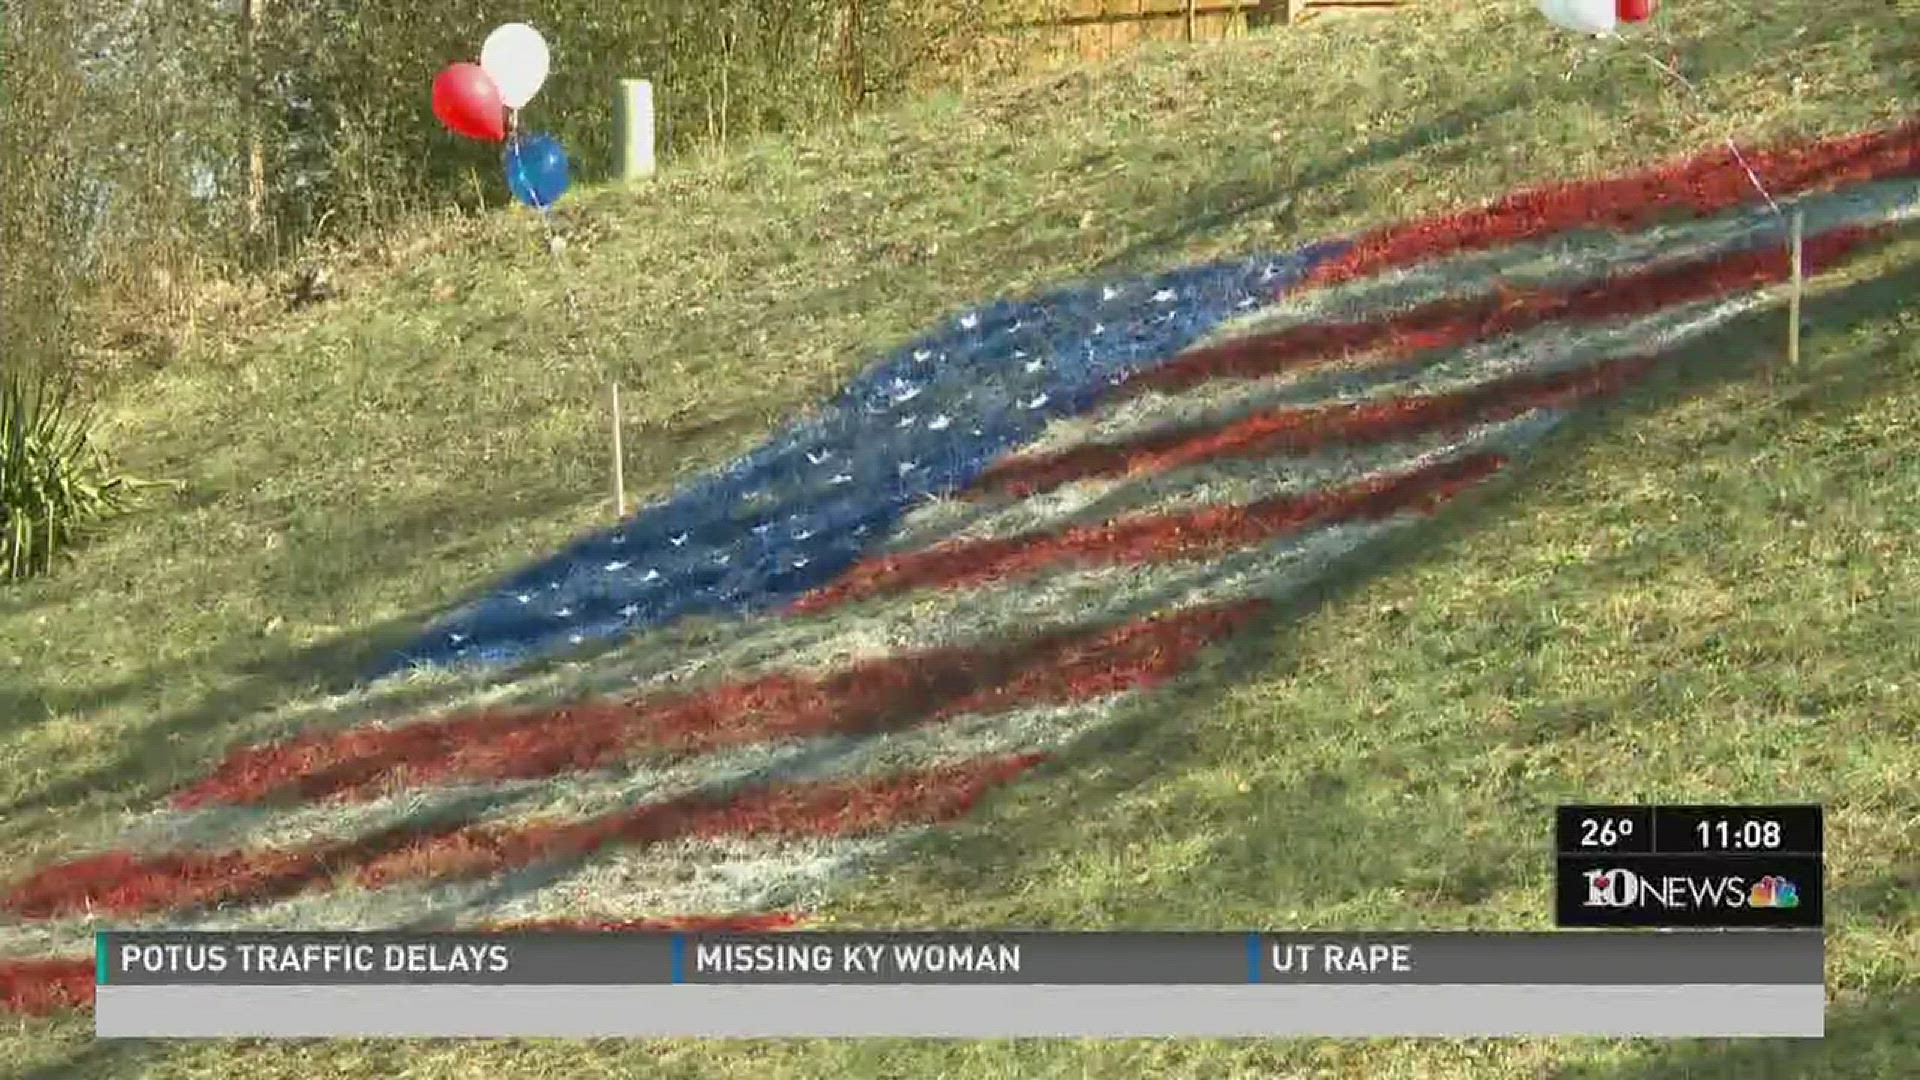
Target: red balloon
{"type": "Point", "coordinates": [1634, 10]}
{"type": "Point", "coordinates": [467, 101]}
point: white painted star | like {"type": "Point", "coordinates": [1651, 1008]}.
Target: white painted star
{"type": "Point", "coordinates": [908, 466]}
{"type": "Point", "coordinates": [524, 598]}
{"type": "Point", "coordinates": [906, 421]}
{"type": "Point", "coordinates": [630, 611]}
{"type": "Point", "coordinates": [941, 422]}
{"type": "Point", "coordinates": [677, 541]}
{"type": "Point", "coordinates": [456, 638]}
{"type": "Point", "coordinates": [969, 321]}
{"type": "Point", "coordinates": [1099, 328]}
{"type": "Point", "coordinates": [1035, 365]}
{"type": "Point", "coordinates": [1108, 292]}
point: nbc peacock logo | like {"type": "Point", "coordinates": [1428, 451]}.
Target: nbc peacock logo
{"type": "Point", "coordinates": [1773, 892]}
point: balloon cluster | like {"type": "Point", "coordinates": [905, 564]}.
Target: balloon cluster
{"type": "Point", "coordinates": [1595, 16]}
{"type": "Point", "coordinates": [482, 101]}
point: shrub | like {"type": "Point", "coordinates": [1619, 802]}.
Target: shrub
{"type": "Point", "coordinates": [53, 483]}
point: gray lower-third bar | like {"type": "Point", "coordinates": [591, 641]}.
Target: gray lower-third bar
{"type": "Point", "coordinates": [1714, 1010]}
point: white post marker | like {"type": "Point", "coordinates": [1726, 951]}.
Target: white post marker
{"type": "Point", "coordinates": [619, 471]}
{"type": "Point", "coordinates": [634, 110]}
{"type": "Point", "coordinates": [1793, 302]}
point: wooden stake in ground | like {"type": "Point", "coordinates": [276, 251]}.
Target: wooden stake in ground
{"type": "Point", "coordinates": [619, 471]}
{"type": "Point", "coordinates": [1793, 301]}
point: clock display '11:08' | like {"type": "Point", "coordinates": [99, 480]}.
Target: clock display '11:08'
{"type": "Point", "coordinates": [1741, 830]}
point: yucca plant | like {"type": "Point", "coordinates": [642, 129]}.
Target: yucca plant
{"type": "Point", "coordinates": [53, 484]}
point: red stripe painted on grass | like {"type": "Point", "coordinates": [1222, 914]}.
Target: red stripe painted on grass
{"type": "Point", "coordinates": [1304, 430]}
{"type": "Point", "coordinates": [1453, 323]}
{"type": "Point", "coordinates": [866, 698]}
{"type": "Point", "coordinates": [1705, 184]}
{"type": "Point", "coordinates": [1154, 537]}
{"type": "Point", "coordinates": [127, 883]}
{"type": "Point", "coordinates": [39, 987]}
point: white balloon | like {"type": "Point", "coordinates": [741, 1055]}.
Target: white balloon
{"type": "Point", "coordinates": [1582, 16]}
{"type": "Point", "coordinates": [517, 58]}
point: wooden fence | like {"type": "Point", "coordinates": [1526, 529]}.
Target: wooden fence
{"type": "Point", "coordinates": [1094, 29]}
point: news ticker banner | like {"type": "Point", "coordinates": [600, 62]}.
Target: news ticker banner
{"type": "Point", "coordinates": [1689, 866]}
{"type": "Point", "coordinates": [974, 984]}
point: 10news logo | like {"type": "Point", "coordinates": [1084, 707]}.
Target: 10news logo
{"type": "Point", "coordinates": [1649, 891]}
{"type": "Point", "coordinates": [1622, 888]}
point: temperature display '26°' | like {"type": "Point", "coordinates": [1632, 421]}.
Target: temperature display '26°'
{"type": "Point", "coordinates": [1595, 830]}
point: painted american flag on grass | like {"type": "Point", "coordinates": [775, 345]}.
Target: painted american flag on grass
{"type": "Point", "coordinates": [981, 552]}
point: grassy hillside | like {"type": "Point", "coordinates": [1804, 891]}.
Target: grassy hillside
{"type": "Point", "coordinates": [1708, 593]}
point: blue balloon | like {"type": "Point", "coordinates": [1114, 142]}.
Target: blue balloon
{"type": "Point", "coordinates": [536, 170]}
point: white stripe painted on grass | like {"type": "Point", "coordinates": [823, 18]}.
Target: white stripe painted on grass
{"type": "Point", "coordinates": [1543, 350]}
{"type": "Point", "coordinates": [700, 877]}
{"type": "Point", "coordinates": [1227, 482]}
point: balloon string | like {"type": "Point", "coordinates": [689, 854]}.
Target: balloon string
{"type": "Point", "coordinates": [557, 249]}
{"type": "Point", "coordinates": [1700, 99]}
